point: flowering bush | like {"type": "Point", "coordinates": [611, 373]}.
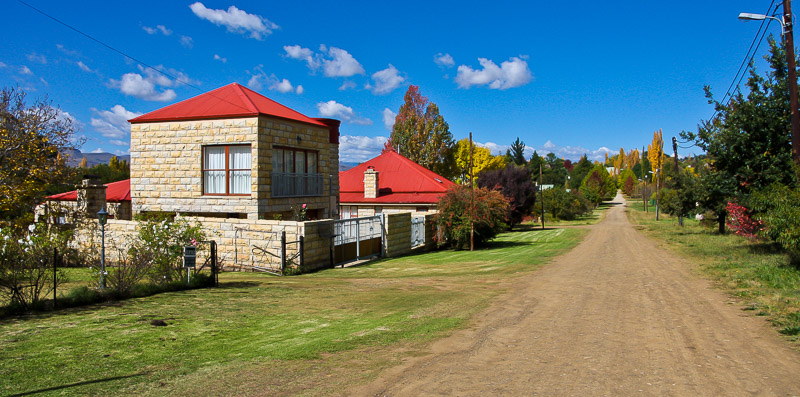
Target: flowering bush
{"type": "Point", "coordinates": [26, 263]}
{"type": "Point", "coordinates": [162, 239]}
{"type": "Point", "coordinates": [741, 223]}
{"type": "Point", "coordinates": [300, 213]}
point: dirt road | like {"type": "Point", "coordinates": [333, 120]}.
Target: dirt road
{"type": "Point", "coordinates": [615, 316]}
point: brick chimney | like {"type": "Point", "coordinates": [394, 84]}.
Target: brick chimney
{"type": "Point", "coordinates": [91, 196]}
{"type": "Point", "coordinates": [370, 183]}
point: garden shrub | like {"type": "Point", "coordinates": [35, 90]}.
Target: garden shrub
{"type": "Point", "coordinates": [453, 218]}
{"type": "Point", "coordinates": [564, 205]}
{"type": "Point", "coordinates": [162, 239]}
{"type": "Point", "coordinates": [777, 207]}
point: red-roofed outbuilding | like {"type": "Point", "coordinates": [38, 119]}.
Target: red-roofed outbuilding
{"type": "Point", "coordinates": [389, 183]}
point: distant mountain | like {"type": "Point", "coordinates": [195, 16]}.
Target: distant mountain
{"type": "Point", "coordinates": [346, 166]}
{"type": "Point", "coordinates": [93, 159]}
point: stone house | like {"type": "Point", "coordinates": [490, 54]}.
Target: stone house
{"type": "Point", "coordinates": [234, 153]}
{"type": "Point", "coordinates": [87, 200]}
{"type": "Point", "coordinates": [389, 183]}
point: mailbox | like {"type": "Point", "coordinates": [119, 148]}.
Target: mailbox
{"type": "Point", "coordinates": [189, 256]}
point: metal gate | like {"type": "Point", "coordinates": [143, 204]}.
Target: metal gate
{"type": "Point", "coordinates": [357, 238]}
{"type": "Point", "coordinates": [417, 231]}
{"type": "Point", "coordinates": [266, 251]}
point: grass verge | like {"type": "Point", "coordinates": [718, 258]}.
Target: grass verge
{"type": "Point", "coordinates": [756, 272]}
{"type": "Point", "coordinates": [258, 334]}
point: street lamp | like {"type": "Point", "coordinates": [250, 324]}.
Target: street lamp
{"type": "Point", "coordinates": [102, 218]}
{"type": "Point", "coordinates": [746, 16]}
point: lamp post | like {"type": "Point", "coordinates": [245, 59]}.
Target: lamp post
{"type": "Point", "coordinates": [102, 218]}
{"type": "Point", "coordinates": [787, 28]}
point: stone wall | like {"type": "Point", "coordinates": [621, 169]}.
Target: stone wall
{"type": "Point", "coordinates": [397, 229]}
{"type": "Point", "coordinates": [166, 166]}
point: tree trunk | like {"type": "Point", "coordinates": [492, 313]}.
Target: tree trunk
{"type": "Point", "coordinates": [721, 223]}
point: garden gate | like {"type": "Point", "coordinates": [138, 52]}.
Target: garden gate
{"type": "Point", "coordinates": [266, 251]}
{"type": "Point", "coordinates": [357, 238]}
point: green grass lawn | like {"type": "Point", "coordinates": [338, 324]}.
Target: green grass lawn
{"type": "Point", "coordinates": [756, 272]}
{"type": "Point", "coordinates": [260, 334]}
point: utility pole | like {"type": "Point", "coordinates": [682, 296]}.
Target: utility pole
{"type": "Point", "coordinates": [789, 45]}
{"type": "Point", "coordinates": [471, 199]}
{"type": "Point", "coordinates": [677, 171]}
{"type": "Point", "coordinates": [644, 180]}
{"type": "Point", "coordinates": [541, 193]}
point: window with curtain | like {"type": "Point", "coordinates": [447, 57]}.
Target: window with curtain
{"type": "Point", "coordinates": [227, 170]}
{"type": "Point", "coordinates": [295, 172]}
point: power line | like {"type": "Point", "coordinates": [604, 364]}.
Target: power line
{"type": "Point", "coordinates": [748, 58]}
{"type": "Point", "coordinates": [186, 83]}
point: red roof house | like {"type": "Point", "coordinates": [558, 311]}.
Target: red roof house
{"type": "Point", "coordinates": [116, 192]}
{"type": "Point", "coordinates": [389, 183]}
{"type": "Point", "coordinates": [233, 153]}
{"type": "Point", "coordinates": [88, 199]}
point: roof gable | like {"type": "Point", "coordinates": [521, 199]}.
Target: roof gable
{"type": "Point", "coordinates": [398, 176]}
{"type": "Point", "coordinates": [232, 100]}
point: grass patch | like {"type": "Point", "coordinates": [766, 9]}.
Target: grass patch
{"type": "Point", "coordinates": [259, 334]}
{"type": "Point", "coordinates": [756, 272]}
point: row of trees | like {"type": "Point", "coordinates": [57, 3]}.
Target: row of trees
{"type": "Point", "coordinates": [746, 181]}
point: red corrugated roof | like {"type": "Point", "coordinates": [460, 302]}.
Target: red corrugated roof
{"type": "Point", "coordinates": [400, 181]}
{"type": "Point", "coordinates": [116, 192]}
{"type": "Point", "coordinates": [232, 100]}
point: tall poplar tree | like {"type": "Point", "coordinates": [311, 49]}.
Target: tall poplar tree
{"type": "Point", "coordinates": [421, 134]}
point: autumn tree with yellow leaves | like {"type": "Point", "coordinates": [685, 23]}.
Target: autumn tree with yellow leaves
{"type": "Point", "coordinates": [33, 140]}
{"type": "Point", "coordinates": [482, 160]}
{"type": "Point", "coordinates": [655, 153]}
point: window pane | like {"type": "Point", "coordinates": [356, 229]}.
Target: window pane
{"type": "Point", "coordinates": [214, 182]}
{"type": "Point", "coordinates": [240, 182]}
{"type": "Point", "coordinates": [277, 160]}
{"type": "Point", "coordinates": [312, 163]}
{"type": "Point", "coordinates": [239, 157]}
{"type": "Point", "coordinates": [288, 161]}
{"type": "Point", "coordinates": [299, 162]}
{"type": "Point", "coordinates": [214, 158]}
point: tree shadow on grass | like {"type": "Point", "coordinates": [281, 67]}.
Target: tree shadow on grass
{"type": "Point", "coordinates": [238, 284]}
{"type": "Point", "coordinates": [88, 382]}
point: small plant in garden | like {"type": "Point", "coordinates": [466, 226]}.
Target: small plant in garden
{"type": "Point", "coordinates": [741, 223]}
{"type": "Point", "coordinates": [163, 239]}
{"type": "Point", "coordinates": [26, 263]}
{"type": "Point", "coordinates": [300, 213]}
{"type": "Point", "coordinates": [453, 218]}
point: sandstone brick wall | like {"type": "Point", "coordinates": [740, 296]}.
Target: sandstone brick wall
{"type": "Point", "coordinates": [166, 165]}
{"type": "Point", "coordinates": [397, 231]}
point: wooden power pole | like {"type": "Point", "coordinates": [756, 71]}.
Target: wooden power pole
{"type": "Point", "coordinates": [789, 45]}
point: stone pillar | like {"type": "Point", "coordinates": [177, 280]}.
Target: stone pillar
{"type": "Point", "coordinates": [370, 183]}
{"type": "Point", "coordinates": [91, 196]}
{"type": "Point", "coordinates": [397, 232]}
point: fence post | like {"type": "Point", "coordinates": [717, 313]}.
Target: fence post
{"type": "Point", "coordinates": [214, 272]}
{"type": "Point", "coordinates": [302, 244]}
{"type": "Point", "coordinates": [358, 241]}
{"type": "Point", "coordinates": [283, 250]}
{"type": "Point", "coordinates": [55, 275]}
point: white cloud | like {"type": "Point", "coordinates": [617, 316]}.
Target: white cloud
{"type": "Point", "coordinates": [221, 59]}
{"type": "Point", "coordinates": [159, 28]}
{"type": "Point", "coordinates": [342, 112]}
{"type": "Point", "coordinates": [113, 123]}
{"type": "Point", "coordinates": [574, 153]}
{"type": "Point", "coordinates": [388, 118]}
{"type": "Point", "coordinates": [347, 85]}
{"type": "Point", "coordinates": [124, 152]}
{"type": "Point", "coordinates": [84, 67]}
{"type": "Point", "coordinates": [38, 58]}
{"type": "Point", "coordinates": [357, 149]}
{"type": "Point", "coordinates": [260, 80]}
{"type": "Point", "coordinates": [66, 51]}
{"type": "Point", "coordinates": [335, 62]}
{"type": "Point", "coordinates": [2, 65]}
{"type": "Point", "coordinates": [119, 142]}
{"type": "Point", "coordinates": [299, 90]}
{"type": "Point", "coordinates": [303, 54]}
{"type": "Point", "coordinates": [510, 74]}
{"type": "Point", "coordinates": [386, 80]}
{"type": "Point", "coordinates": [25, 70]}
{"type": "Point", "coordinates": [98, 150]}
{"type": "Point", "coordinates": [444, 60]}
{"type": "Point", "coordinates": [134, 84]}
{"type": "Point", "coordinates": [43, 81]}
{"type": "Point", "coordinates": [340, 63]}
{"type": "Point", "coordinates": [187, 41]}
{"type": "Point", "coordinates": [65, 116]}
{"type": "Point", "coordinates": [236, 20]}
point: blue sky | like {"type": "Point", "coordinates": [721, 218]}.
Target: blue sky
{"type": "Point", "coordinates": [565, 77]}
